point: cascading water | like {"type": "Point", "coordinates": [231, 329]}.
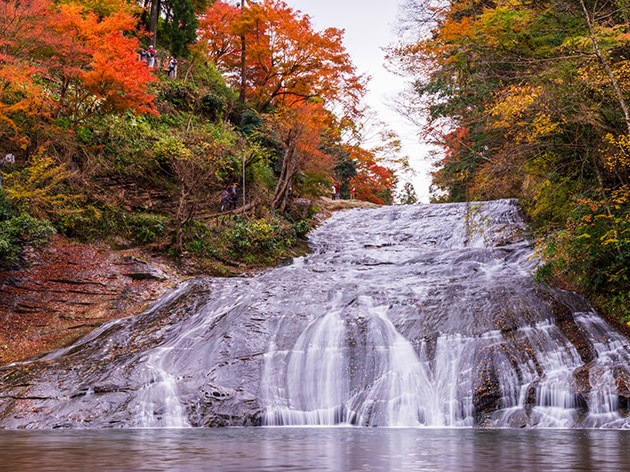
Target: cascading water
{"type": "Point", "coordinates": [419, 315]}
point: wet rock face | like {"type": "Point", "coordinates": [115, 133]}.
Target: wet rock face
{"type": "Point", "coordinates": [401, 316]}
{"type": "Point", "coordinates": [486, 387]}
{"type": "Point", "coordinates": [115, 377]}
{"type": "Point", "coordinates": [622, 380]}
{"type": "Point", "coordinates": [565, 321]}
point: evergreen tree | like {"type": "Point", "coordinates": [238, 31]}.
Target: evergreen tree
{"type": "Point", "coordinates": [408, 195]}
{"type": "Point", "coordinates": [345, 170]}
{"type": "Point", "coordinates": [181, 26]}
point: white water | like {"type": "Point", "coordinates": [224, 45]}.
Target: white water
{"type": "Point", "coordinates": [434, 270]}
{"type": "Point", "coordinates": [414, 316]}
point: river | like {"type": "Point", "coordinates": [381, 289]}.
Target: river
{"type": "Point", "coordinates": [340, 449]}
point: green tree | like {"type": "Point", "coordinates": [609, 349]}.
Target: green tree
{"type": "Point", "coordinates": [345, 171]}
{"type": "Point", "coordinates": [180, 26]}
{"type": "Point", "coordinates": [408, 195]}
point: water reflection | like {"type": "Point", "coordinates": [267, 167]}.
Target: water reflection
{"type": "Point", "coordinates": [315, 449]}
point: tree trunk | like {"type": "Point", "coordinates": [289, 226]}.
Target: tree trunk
{"type": "Point", "coordinates": [241, 95]}
{"type": "Point", "coordinates": [153, 21]}
{"type": "Point", "coordinates": [623, 4]}
{"type": "Point", "coordinates": [611, 75]}
{"type": "Point", "coordinates": [286, 174]}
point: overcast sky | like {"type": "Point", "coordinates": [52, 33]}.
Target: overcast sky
{"type": "Point", "coordinates": [368, 26]}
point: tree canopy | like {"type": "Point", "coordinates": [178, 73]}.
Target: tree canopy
{"type": "Point", "coordinates": [528, 100]}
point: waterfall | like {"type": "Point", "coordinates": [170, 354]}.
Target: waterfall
{"type": "Point", "coordinates": [327, 384]}
{"type": "Point", "coordinates": [407, 316]}
{"type": "Point", "coordinates": [472, 352]}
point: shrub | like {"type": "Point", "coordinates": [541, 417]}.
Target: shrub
{"type": "Point", "coordinates": [146, 228]}
{"type": "Point", "coordinates": [92, 223]}
{"type": "Point", "coordinates": [252, 241]}
{"type": "Point", "coordinates": [592, 251]}
{"type": "Point", "coordinates": [212, 106]}
{"type": "Point", "coordinates": [19, 230]}
{"type": "Point", "coordinates": [6, 209]}
{"type": "Point", "coordinates": [38, 189]}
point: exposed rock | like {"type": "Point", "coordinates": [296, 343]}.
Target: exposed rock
{"type": "Point", "coordinates": [622, 378]}
{"type": "Point", "coordinates": [486, 387]}
{"type": "Point", "coordinates": [532, 397]}
{"type": "Point", "coordinates": [564, 320]}
{"type": "Point", "coordinates": [302, 206]}
{"type": "Point", "coordinates": [69, 288]}
{"type": "Point", "coordinates": [431, 344]}
{"type": "Point", "coordinates": [581, 377]}
{"type": "Point", "coordinates": [142, 270]}
{"type": "Point", "coordinates": [224, 408]}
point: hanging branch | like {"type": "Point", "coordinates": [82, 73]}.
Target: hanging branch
{"type": "Point", "coordinates": [591, 27]}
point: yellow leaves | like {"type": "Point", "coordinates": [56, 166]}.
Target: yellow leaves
{"type": "Point", "coordinates": [38, 188]}
{"type": "Point", "coordinates": [261, 229]}
{"type": "Point", "coordinates": [513, 103]}
{"type": "Point", "coordinates": [170, 147]}
{"type": "Point", "coordinates": [542, 125]}
{"type": "Point", "coordinates": [617, 154]}
{"type": "Point", "coordinates": [620, 196]}
{"type": "Point", "coordinates": [522, 111]}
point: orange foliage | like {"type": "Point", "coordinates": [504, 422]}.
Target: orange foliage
{"type": "Point", "coordinates": [96, 64]}
{"type": "Point", "coordinates": [218, 37]}
{"type": "Point", "coordinates": [287, 61]}
{"type": "Point", "coordinates": [289, 67]}
{"type": "Point", "coordinates": [373, 182]}
{"type": "Point", "coordinates": [61, 61]}
{"type": "Point", "coordinates": [300, 127]}
{"type": "Point", "coordinates": [21, 23]}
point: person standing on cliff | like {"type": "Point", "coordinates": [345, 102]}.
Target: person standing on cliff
{"type": "Point", "coordinates": [233, 197]}
{"type": "Point", "coordinates": [225, 200]}
{"type": "Point", "coordinates": [172, 68]}
{"type": "Point", "coordinates": [151, 57]}
{"type": "Point", "coordinates": [166, 65]}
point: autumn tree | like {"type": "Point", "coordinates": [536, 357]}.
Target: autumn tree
{"type": "Point", "coordinates": [300, 129]}
{"type": "Point", "coordinates": [294, 75]}
{"type": "Point", "coordinates": [374, 182]}
{"type": "Point", "coordinates": [21, 94]}
{"type": "Point", "coordinates": [529, 100]}
{"type": "Point", "coordinates": [286, 62]}
{"type": "Point", "coordinates": [95, 64]}
{"type": "Point", "coordinates": [65, 62]}
{"type": "Point", "coordinates": [218, 37]}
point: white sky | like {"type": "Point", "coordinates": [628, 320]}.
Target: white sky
{"type": "Point", "coordinates": [368, 26]}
